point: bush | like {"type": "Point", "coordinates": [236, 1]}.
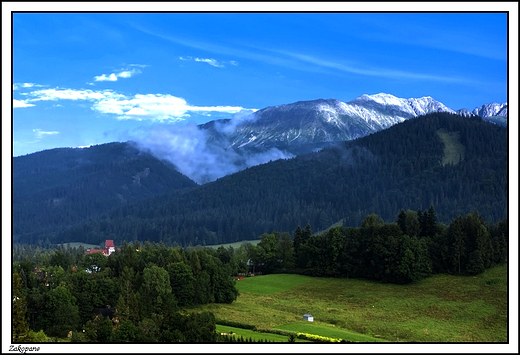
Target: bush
{"type": "Point", "coordinates": [317, 338]}
{"type": "Point", "coordinates": [39, 337]}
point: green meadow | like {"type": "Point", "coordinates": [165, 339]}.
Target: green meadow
{"type": "Point", "coordinates": [442, 308]}
{"type": "Point", "coordinates": [80, 244]}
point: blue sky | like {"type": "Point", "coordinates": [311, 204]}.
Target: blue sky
{"type": "Point", "coordinates": [91, 78]}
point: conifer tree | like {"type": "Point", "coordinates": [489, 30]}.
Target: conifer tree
{"type": "Point", "coordinates": [20, 325]}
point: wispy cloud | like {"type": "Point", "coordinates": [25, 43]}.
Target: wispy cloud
{"type": "Point", "coordinates": [20, 103]}
{"type": "Point", "coordinates": [308, 63]}
{"type": "Point", "coordinates": [41, 134]}
{"type": "Point", "coordinates": [69, 94]}
{"type": "Point", "coordinates": [370, 71]}
{"type": "Point", "coordinates": [210, 61]}
{"type": "Point", "coordinates": [426, 31]}
{"type": "Point", "coordinates": [18, 86]}
{"type": "Point", "coordinates": [213, 62]}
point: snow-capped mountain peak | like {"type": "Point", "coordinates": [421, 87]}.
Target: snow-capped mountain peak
{"type": "Point", "coordinates": [321, 121]}
{"type": "Point", "coordinates": [490, 110]}
{"type": "Point", "coordinates": [381, 98]}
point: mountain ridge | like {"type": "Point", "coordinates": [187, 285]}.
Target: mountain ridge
{"type": "Point", "coordinates": [290, 126]}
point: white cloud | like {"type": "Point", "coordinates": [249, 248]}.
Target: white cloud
{"type": "Point", "coordinates": [126, 73]}
{"type": "Point", "coordinates": [155, 107]}
{"type": "Point", "coordinates": [122, 74]}
{"type": "Point", "coordinates": [103, 77]}
{"type": "Point", "coordinates": [20, 103]}
{"type": "Point", "coordinates": [210, 61]}
{"type": "Point", "coordinates": [40, 134]}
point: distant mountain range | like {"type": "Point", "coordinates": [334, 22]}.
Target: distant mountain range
{"type": "Point", "coordinates": [307, 125]}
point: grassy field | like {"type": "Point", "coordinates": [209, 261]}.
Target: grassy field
{"type": "Point", "coordinates": [78, 244]}
{"type": "Point", "coordinates": [442, 308]}
{"type": "Point", "coordinates": [453, 149]}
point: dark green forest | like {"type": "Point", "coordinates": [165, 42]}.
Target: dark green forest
{"type": "Point", "coordinates": [61, 187]}
{"type": "Point", "coordinates": [136, 294]}
{"type": "Point", "coordinates": [402, 167]}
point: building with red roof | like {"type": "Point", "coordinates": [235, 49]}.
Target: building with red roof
{"type": "Point", "coordinates": [109, 248]}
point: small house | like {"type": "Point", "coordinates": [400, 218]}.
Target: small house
{"type": "Point", "coordinates": [109, 248]}
{"type": "Point", "coordinates": [308, 317]}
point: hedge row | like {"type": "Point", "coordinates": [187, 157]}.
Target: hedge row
{"type": "Point", "coordinates": [318, 338]}
{"type": "Point", "coordinates": [234, 324]}
{"type": "Point", "coordinates": [276, 331]}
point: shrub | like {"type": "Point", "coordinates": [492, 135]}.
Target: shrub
{"type": "Point", "coordinates": [317, 338]}
{"type": "Point", "coordinates": [39, 337]}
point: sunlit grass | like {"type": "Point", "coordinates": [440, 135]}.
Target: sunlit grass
{"type": "Point", "coordinates": [442, 308]}
{"type": "Point", "coordinates": [271, 284]}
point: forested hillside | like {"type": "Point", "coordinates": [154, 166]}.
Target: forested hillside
{"type": "Point", "coordinates": [402, 167]}
{"type": "Point", "coordinates": [62, 187]}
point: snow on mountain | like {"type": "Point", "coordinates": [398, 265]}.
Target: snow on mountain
{"type": "Point", "coordinates": [331, 120]}
{"type": "Point", "coordinates": [491, 110]}
{"type": "Point", "coordinates": [465, 112]}
{"type": "Point", "coordinates": [316, 123]}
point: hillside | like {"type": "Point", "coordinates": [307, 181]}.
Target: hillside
{"type": "Point", "coordinates": [473, 310]}
{"type": "Point", "coordinates": [403, 167]}
{"type": "Point", "coordinates": [62, 187]}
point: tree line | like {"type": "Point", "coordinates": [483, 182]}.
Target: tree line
{"type": "Point", "coordinates": [411, 248]}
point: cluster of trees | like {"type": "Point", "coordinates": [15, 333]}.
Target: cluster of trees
{"type": "Point", "coordinates": [413, 247]}
{"type": "Point", "coordinates": [143, 288]}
